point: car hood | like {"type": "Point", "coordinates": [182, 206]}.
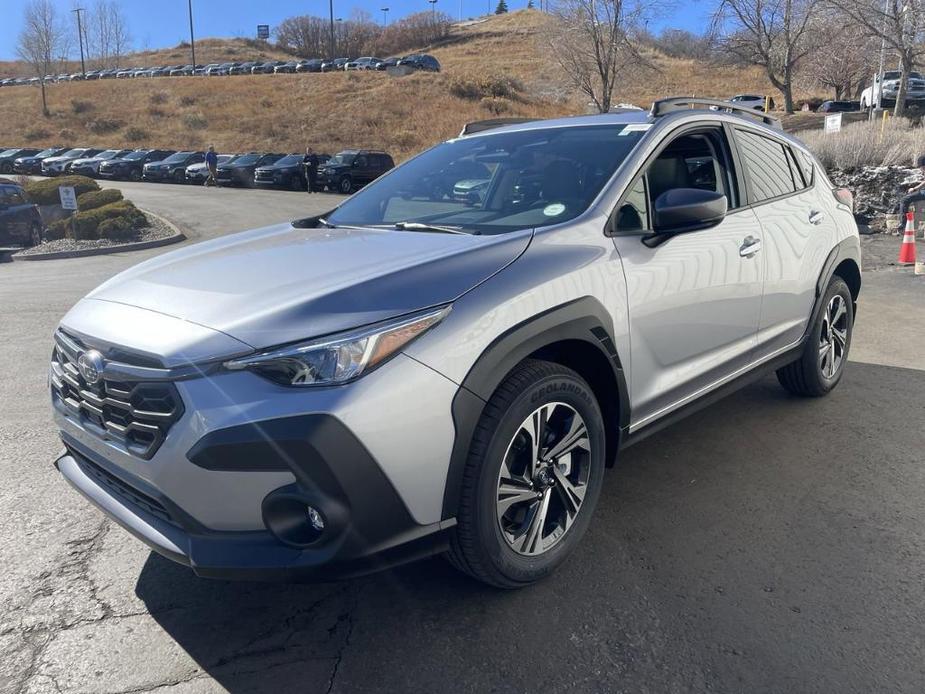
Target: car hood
{"type": "Point", "coordinates": [56, 160]}
{"type": "Point", "coordinates": [282, 284]}
{"type": "Point", "coordinates": [87, 160]}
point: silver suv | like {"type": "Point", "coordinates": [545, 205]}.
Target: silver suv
{"type": "Point", "coordinates": [418, 372]}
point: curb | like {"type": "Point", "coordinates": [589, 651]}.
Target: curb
{"type": "Point", "coordinates": [122, 248]}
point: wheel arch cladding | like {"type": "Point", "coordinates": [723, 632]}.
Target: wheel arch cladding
{"type": "Point", "coordinates": [578, 335]}
{"type": "Point", "coordinates": [849, 271]}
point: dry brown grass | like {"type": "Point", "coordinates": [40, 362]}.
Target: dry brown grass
{"type": "Point", "coordinates": [333, 111]}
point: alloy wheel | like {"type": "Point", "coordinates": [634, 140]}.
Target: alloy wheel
{"type": "Point", "coordinates": [833, 338]}
{"type": "Point", "coordinates": [543, 478]}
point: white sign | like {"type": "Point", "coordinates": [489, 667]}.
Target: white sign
{"type": "Point", "coordinates": [68, 197]}
{"type": "Point", "coordinates": [833, 123]}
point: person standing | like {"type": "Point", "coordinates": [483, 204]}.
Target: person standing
{"type": "Point", "coordinates": [915, 194]}
{"type": "Point", "coordinates": [212, 164]}
{"type": "Point", "coordinates": [310, 162]}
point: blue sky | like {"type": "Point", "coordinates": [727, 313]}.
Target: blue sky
{"type": "Point", "coordinates": [162, 23]}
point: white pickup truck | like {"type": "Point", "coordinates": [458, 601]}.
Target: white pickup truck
{"type": "Point", "coordinates": [915, 94]}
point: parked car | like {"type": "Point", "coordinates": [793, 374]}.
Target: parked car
{"type": "Point", "coordinates": [7, 157]}
{"type": "Point", "coordinates": [20, 220]}
{"type": "Point", "coordinates": [838, 107]}
{"type": "Point", "coordinates": [32, 165]}
{"type": "Point", "coordinates": [311, 65]}
{"type": "Point", "coordinates": [266, 68]}
{"type": "Point", "coordinates": [289, 67]}
{"type": "Point", "coordinates": [55, 166]}
{"type": "Point", "coordinates": [211, 69]}
{"type": "Point", "coordinates": [131, 166]}
{"type": "Point", "coordinates": [365, 63]}
{"type": "Point", "coordinates": [405, 376]}
{"type": "Point", "coordinates": [90, 166]}
{"type": "Point", "coordinates": [915, 90]}
{"type": "Point", "coordinates": [173, 168]}
{"type": "Point", "coordinates": [240, 170]}
{"type": "Point", "coordinates": [421, 61]}
{"type": "Point", "coordinates": [242, 68]}
{"type": "Point", "coordinates": [334, 65]}
{"type": "Point", "coordinates": [352, 168]}
{"type": "Point", "coordinates": [753, 101]}
{"type": "Point", "coordinates": [198, 173]}
{"type": "Point", "coordinates": [286, 172]}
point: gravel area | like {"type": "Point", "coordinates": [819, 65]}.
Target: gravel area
{"type": "Point", "coordinates": [156, 230]}
{"type": "Point", "coordinates": [877, 189]}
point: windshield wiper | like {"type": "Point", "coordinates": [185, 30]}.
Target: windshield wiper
{"type": "Point", "coordinates": [418, 226]}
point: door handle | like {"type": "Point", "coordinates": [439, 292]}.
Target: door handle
{"type": "Point", "coordinates": [750, 246]}
{"type": "Point", "coordinates": [816, 217]}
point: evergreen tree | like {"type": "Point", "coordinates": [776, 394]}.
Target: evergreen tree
{"type": "Point", "coordinates": [502, 7]}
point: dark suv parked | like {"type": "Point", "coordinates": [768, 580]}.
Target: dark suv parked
{"type": "Point", "coordinates": [8, 156]}
{"type": "Point", "coordinates": [20, 221]}
{"type": "Point", "coordinates": [240, 170]}
{"type": "Point", "coordinates": [421, 61]}
{"type": "Point", "coordinates": [352, 168]}
{"type": "Point", "coordinates": [288, 172]}
{"type": "Point", "coordinates": [33, 165]}
{"type": "Point", "coordinates": [131, 165]}
{"type": "Point", "coordinates": [173, 168]}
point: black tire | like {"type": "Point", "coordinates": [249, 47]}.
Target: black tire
{"type": "Point", "coordinates": [345, 185]}
{"type": "Point", "coordinates": [134, 175]}
{"type": "Point", "coordinates": [806, 377]}
{"type": "Point", "coordinates": [179, 176]}
{"type": "Point", "coordinates": [7, 168]}
{"type": "Point", "coordinates": [296, 183]}
{"type": "Point", "coordinates": [35, 235]}
{"type": "Point", "coordinates": [478, 546]}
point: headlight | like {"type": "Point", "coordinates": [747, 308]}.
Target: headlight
{"type": "Point", "coordinates": [339, 358]}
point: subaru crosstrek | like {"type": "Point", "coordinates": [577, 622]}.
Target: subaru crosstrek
{"type": "Point", "coordinates": [413, 374]}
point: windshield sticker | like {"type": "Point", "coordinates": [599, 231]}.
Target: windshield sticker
{"type": "Point", "coordinates": [635, 128]}
{"type": "Point", "coordinates": [554, 210]}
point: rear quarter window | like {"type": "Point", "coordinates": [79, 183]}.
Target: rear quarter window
{"type": "Point", "coordinates": [767, 169]}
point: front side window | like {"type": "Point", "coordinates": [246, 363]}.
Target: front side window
{"type": "Point", "coordinates": [767, 169]}
{"type": "Point", "coordinates": [496, 182]}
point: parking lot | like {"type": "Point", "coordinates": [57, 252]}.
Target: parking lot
{"type": "Point", "coordinates": [763, 544]}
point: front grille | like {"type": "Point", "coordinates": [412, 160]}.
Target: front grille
{"type": "Point", "coordinates": [135, 414]}
{"type": "Point", "coordinates": [121, 490]}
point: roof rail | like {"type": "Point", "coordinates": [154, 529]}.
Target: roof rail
{"type": "Point", "coordinates": [480, 125]}
{"type": "Point", "coordinates": [683, 103]}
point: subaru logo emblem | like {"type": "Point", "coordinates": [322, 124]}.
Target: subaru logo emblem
{"type": "Point", "coordinates": [90, 366]}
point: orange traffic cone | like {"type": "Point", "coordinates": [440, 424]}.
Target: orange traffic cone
{"type": "Point", "coordinates": [907, 250]}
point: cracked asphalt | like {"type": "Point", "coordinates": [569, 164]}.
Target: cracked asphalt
{"type": "Point", "coordinates": [764, 544]}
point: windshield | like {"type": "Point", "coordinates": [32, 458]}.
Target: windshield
{"type": "Point", "coordinates": [246, 159]}
{"type": "Point", "coordinates": [133, 156]}
{"type": "Point", "coordinates": [73, 153]}
{"type": "Point", "coordinates": [8, 152]}
{"type": "Point", "coordinates": [496, 183]}
{"type": "Point", "coordinates": [345, 158]}
{"type": "Point", "coordinates": [290, 159]}
{"type": "Point", "coordinates": [178, 157]}
{"type": "Point", "coordinates": [108, 154]}
{"type": "Point", "coordinates": [46, 152]}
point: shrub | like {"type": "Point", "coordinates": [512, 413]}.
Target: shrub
{"type": "Point", "coordinates": [195, 121]}
{"type": "Point", "coordinates": [476, 88]}
{"type": "Point", "coordinates": [860, 144]}
{"type": "Point", "coordinates": [134, 134]}
{"type": "Point", "coordinates": [81, 105]}
{"type": "Point", "coordinates": [36, 134]}
{"type": "Point", "coordinates": [116, 229]}
{"type": "Point", "coordinates": [102, 126]}
{"type": "Point", "coordinates": [158, 98]}
{"type": "Point", "coordinates": [67, 135]}
{"type": "Point", "coordinates": [156, 112]}
{"type": "Point", "coordinates": [266, 103]}
{"type": "Point", "coordinates": [187, 100]}
{"type": "Point", "coordinates": [86, 224]}
{"type": "Point", "coordinates": [98, 198]}
{"type": "Point", "coordinates": [58, 230]}
{"type": "Point", "coordinates": [496, 105]}
{"type": "Point", "coordinates": [45, 192]}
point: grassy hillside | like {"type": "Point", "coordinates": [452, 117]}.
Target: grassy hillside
{"type": "Point", "coordinates": [500, 66]}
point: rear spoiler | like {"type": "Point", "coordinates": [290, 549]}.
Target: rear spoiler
{"type": "Point", "coordinates": [481, 125]}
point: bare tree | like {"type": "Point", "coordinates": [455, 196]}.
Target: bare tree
{"type": "Point", "coordinates": [305, 36]}
{"type": "Point", "coordinates": [843, 54]}
{"type": "Point", "coordinates": [107, 33]}
{"type": "Point", "coordinates": [899, 24]}
{"type": "Point", "coordinates": [594, 43]}
{"type": "Point", "coordinates": [769, 33]}
{"type": "Point", "coordinates": [41, 41]}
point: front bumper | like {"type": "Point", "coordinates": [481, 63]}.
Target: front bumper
{"type": "Point", "coordinates": [155, 175]}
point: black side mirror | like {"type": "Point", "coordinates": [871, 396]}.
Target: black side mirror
{"type": "Point", "coordinates": [682, 210]}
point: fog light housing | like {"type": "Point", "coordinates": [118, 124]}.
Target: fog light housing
{"type": "Point", "coordinates": [315, 518]}
{"type": "Point", "coordinates": [301, 519]}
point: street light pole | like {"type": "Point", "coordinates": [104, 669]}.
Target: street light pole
{"type": "Point", "coordinates": [385, 16]}
{"type": "Point", "coordinates": [433, 5]}
{"type": "Point", "coordinates": [80, 40]}
{"type": "Point", "coordinates": [331, 10]}
{"type": "Point", "coordinates": [192, 40]}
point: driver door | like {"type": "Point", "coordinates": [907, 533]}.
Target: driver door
{"type": "Point", "coordinates": [694, 299]}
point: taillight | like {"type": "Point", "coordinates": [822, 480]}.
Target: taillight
{"type": "Point", "coordinates": [845, 197]}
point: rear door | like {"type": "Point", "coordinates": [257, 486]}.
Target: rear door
{"type": "Point", "coordinates": [798, 233]}
{"type": "Point", "coordinates": [694, 300]}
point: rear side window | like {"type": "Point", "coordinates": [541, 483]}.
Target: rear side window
{"type": "Point", "coordinates": [767, 169]}
{"type": "Point", "coordinates": [805, 162]}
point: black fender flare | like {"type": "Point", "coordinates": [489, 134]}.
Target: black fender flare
{"type": "Point", "coordinates": [847, 249]}
{"type": "Point", "coordinates": [584, 320]}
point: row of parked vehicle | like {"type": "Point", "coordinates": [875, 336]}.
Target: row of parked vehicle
{"type": "Point", "coordinates": [344, 172]}
{"type": "Point", "coordinates": [417, 61]}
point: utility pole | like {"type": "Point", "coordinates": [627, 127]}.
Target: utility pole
{"type": "Point", "coordinates": [385, 16]}
{"type": "Point", "coordinates": [192, 40]}
{"type": "Point", "coordinates": [80, 40]}
{"type": "Point", "coordinates": [433, 6]}
{"type": "Point", "coordinates": [878, 83]}
{"type": "Point", "coordinates": [331, 10]}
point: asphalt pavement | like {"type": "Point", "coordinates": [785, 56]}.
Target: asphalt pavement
{"type": "Point", "coordinates": [765, 544]}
